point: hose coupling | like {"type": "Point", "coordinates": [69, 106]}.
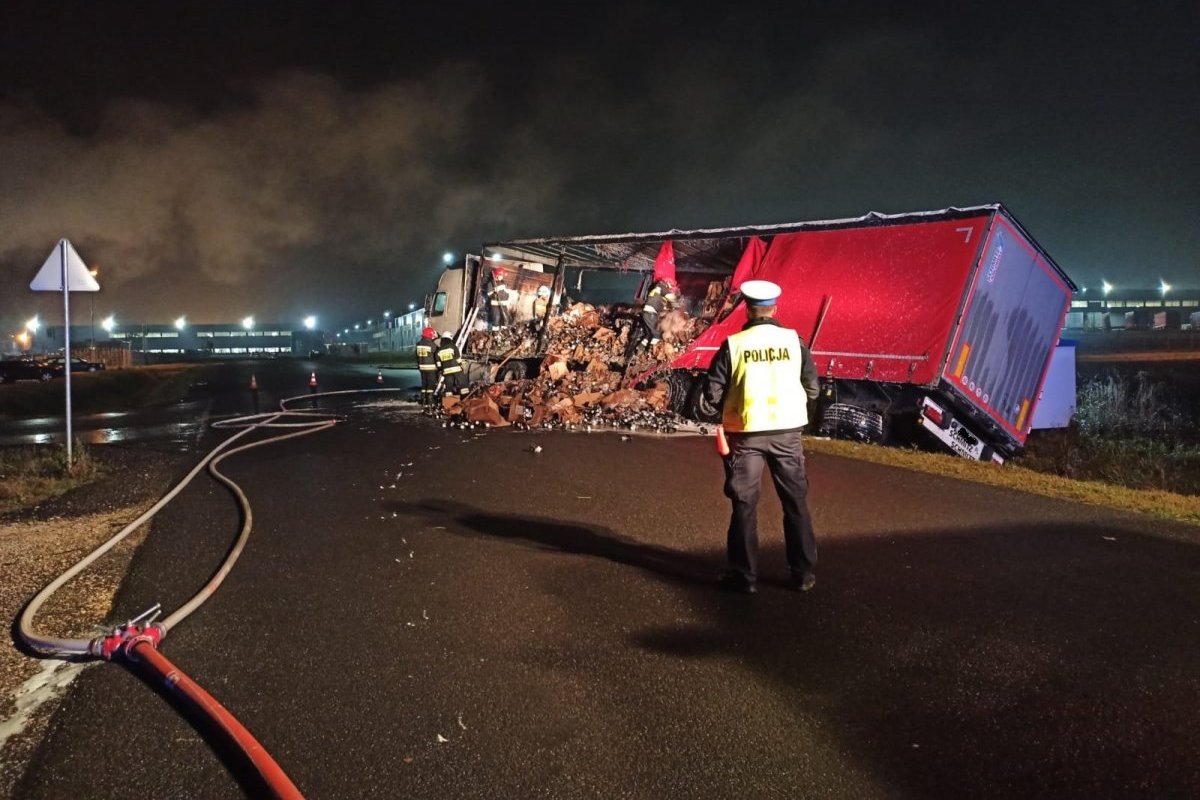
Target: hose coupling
{"type": "Point", "coordinates": [124, 638]}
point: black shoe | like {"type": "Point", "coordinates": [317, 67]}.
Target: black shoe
{"type": "Point", "coordinates": [734, 582]}
{"type": "Point", "coordinates": [805, 582]}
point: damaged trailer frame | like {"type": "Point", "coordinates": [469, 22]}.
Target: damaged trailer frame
{"type": "Point", "coordinates": [937, 325]}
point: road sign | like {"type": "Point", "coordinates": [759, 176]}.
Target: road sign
{"type": "Point", "coordinates": [64, 271]}
{"type": "Point", "coordinates": [64, 267]}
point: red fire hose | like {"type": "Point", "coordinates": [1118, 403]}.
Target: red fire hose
{"type": "Point", "coordinates": [160, 667]}
{"type": "Point", "coordinates": [137, 641]}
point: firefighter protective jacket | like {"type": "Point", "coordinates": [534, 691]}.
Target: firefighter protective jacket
{"type": "Point", "coordinates": [425, 354]}
{"type": "Point", "coordinates": [447, 357]}
{"type": "Point", "coordinates": [498, 296]}
{"type": "Point", "coordinates": [768, 377]}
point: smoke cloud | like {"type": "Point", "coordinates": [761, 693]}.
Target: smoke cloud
{"type": "Point", "coordinates": [305, 193]}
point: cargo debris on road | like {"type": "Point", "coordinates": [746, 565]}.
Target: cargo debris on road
{"type": "Point", "coordinates": [584, 379]}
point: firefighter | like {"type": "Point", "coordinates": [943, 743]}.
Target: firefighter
{"type": "Point", "coordinates": [427, 365]}
{"type": "Point", "coordinates": [764, 377]}
{"type": "Point", "coordinates": [541, 304]}
{"type": "Point", "coordinates": [449, 364]}
{"type": "Point", "coordinates": [499, 301]}
{"type": "Point", "coordinates": [648, 329]}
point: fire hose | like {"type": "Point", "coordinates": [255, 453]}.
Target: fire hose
{"type": "Point", "coordinates": [136, 642]}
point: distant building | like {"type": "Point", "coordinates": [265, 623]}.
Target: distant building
{"type": "Point", "coordinates": [1132, 308]}
{"type": "Point", "coordinates": [157, 343]}
{"type": "Point", "coordinates": [391, 335]}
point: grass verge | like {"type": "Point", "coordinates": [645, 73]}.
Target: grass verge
{"type": "Point", "coordinates": [1155, 502]}
{"type": "Point", "coordinates": [110, 390]}
{"type": "Point", "coordinates": [30, 475]}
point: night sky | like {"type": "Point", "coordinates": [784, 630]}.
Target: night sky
{"type": "Point", "coordinates": [221, 159]}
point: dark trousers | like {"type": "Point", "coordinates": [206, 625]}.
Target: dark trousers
{"type": "Point", "coordinates": [499, 316]}
{"type": "Point", "coordinates": [429, 378]}
{"type": "Point", "coordinates": [643, 331]}
{"type": "Point", "coordinates": [784, 456]}
{"type": "Point", "coordinates": [454, 384]}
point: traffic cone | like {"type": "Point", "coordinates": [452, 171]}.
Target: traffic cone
{"type": "Point", "coordinates": [253, 384]}
{"type": "Point", "coordinates": [379, 377]}
{"type": "Point", "coordinates": [312, 381]}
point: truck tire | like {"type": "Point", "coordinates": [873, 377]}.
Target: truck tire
{"type": "Point", "coordinates": [512, 371]}
{"type": "Point", "coordinates": [679, 390]}
{"type": "Point", "coordinates": [698, 407]}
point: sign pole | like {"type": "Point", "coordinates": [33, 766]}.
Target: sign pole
{"type": "Point", "coordinates": [66, 284]}
{"type": "Point", "coordinates": [69, 273]}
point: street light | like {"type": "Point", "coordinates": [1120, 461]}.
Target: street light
{"type": "Point", "coordinates": [411, 306]}
{"type": "Point", "coordinates": [356, 326]}
{"type": "Point", "coordinates": [33, 324]}
{"type": "Point", "coordinates": [92, 314]}
{"type": "Point", "coordinates": [447, 257]}
{"type": "Point", "coordinates": [248, 322]}
{"type": "Point", "coordinates": [180, 323]}
{"type": "Point", "coordinates": [387, 314]}
{"type": "Point", "coordinates": [1106, 287]}
{"type": "Point", "coordinates": [310, 322]}
{"type": "Point", "coordinates": [1164, 287]}
{"type": "Point", "coordinates": [108, 323]}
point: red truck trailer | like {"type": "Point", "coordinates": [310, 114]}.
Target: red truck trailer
{"type": "Point", "coordinates": [939, 323]}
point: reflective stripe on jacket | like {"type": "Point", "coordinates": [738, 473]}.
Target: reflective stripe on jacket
{"type": "Point", "coordinates": [425, 358]}
{"type": "Point", "coordinates": [447, 358]}
{"type": "Point", "coordinates": [764, 392]}
{"type": "Point", "coordinates": [498, 296]}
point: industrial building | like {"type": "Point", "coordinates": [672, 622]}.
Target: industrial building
{"type": "Point", "coordinates": [154, 343]}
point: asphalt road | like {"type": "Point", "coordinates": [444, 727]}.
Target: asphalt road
{"type": "Point", "coordinates": [424, 612]}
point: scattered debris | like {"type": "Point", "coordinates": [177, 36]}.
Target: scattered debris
{"type": "Point", "coordinates": [460, 722]}
{"type": "Point", "coordinates": [584, 379]}
{"type": "Point", "coordinates": [442, 739]}
{"type": "Point", "coordinates": [537, 448]}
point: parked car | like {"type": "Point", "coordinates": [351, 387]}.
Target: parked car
{"type": "Point", "coordinates": [77, 364]}
{"type": "Point", "coordinates": [28, 369]}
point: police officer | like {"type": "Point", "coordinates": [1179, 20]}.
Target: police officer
{"type": "Point", "coordinates": [499, 297]}
{"type": "Point", "coordinates": [427, 366]}
{"type": "Point", "coordinates": [450, 365]}
{"type": "Point", "coordinates": [647, 330]}
{"type": "Point", "coordinates": [767, 376]}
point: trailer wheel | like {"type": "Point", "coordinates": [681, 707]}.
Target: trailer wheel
{"type": "Point", "coordinates": [698, 407]}
{"type": "Point", "coordinates": [679, 386]}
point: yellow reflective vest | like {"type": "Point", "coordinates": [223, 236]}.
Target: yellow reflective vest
{"type": "Point", "coordinates": [764, 391]}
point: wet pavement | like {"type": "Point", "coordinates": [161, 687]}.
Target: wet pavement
{"type": "Point", "coordinates": [432, 612]}
{"type": "Point", "coordinates": [225, 393]}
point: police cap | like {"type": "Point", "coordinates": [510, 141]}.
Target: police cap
{"type": "Point", "coordinates": [761, 293]}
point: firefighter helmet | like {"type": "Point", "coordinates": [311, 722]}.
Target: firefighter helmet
{"type": "Point", "coordinates": [543, 291]}
{"type": "Point", "coordinates": [428, 332]}
{"type": "Point", "coordinates": [498, 274]}
{"type": "Point", "coordinates": [448, 334]}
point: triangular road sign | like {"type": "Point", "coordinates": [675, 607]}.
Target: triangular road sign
{"type": "Point", "coordinates": [50, 276]}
